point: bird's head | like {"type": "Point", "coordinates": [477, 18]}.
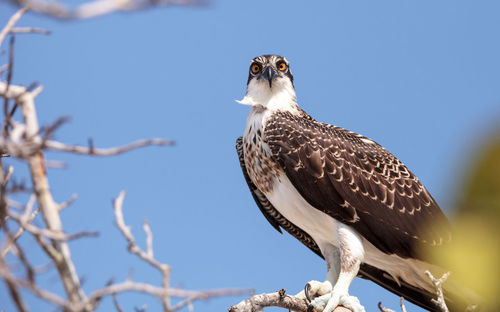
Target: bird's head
{"type": "Point", "coordinates": [270, 83]}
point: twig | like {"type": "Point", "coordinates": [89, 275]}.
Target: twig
{"type": "Point", "coordinates": [116, 304]}
{"type": "Point", "coordinates": [58, 146]}
{"type": "Point", "coordinates": [158, 292]}
{"type": "Point", "coordinates": [46, 295]}
{"type": "Point", "coordinates": [382, 309]}
{"type": "Point", "coordinates": [20, 231]}
{"type": "Point", "coordinates": [29, 30]}
{"type": "Point", "coordinates": [134, 248]}
{"type": "Point", "coordinates": [438, 283]}
{"type": "Point", "coordinates": [52, 234]}
{"type": "Point", "coordinates": [401, 303]}
{"type": "Point", "coordinates": [149, 238]}
{"type": "Point", "coordinates": [13, 289]}
{"type": "Point", "coordinates": [68, 202]}
{"type": "Point", "coordinates": [9, 80]}
{"type": "Point", "coordinates": [12, 21]}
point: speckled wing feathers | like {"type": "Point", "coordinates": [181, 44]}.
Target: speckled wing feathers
{"type": "Point", "coordinates": [272, 215]}
{"type": "Point", "coordinates": [357, 182]}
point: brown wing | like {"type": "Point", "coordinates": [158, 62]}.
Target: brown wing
{"type": "Point", "coordinates": [272, 215]}
{"type": "Point", "coordinates": [357, 182]}
{"type": "Point", "coordinates": [411, 293]}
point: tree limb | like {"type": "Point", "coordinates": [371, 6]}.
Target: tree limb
{"type": "Point", "coordinates": [10, 24]}
{"type": "Point", "coordinates": [58, 146]}
{"type": "Point", "coordinates": [276, 299]}
{"type": "Point", "coordinates": [97, 8]}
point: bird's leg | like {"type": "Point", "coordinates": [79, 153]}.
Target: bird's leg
{"type": "Point", "coordinates": [315, 289]}
{"type": "Point", "coordinates": [351, 255]}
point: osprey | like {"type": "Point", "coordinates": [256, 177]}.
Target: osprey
{"type": "Point", "coordinates": [341, 194]}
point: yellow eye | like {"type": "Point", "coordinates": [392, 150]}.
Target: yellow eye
{"type": "Point", "coordinates": [282, 66]}
{"type": "Point", "coordinates": [255, 68]}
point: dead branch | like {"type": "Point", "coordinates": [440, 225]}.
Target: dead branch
{"type": "Point", "coordinates": [13, 288]}
{"type": "Point", "coordinates": [158, 292]}
{"type": "Point", "coordinates": [438, 283]}
{"type": "Point", "coordinates": [51, 234]}
{"type": "Point", "coordinates": [29, 30]}
{"type": "Point", "coordinates": [67, 203]}
{"type": "Point", "coordinates": [48, 208]}
{"type": "Point", "coordinates": [98, 7]}
{"type": "Point", "coordinates": [276, 299]}
{"type": "Point", "coordinates": [134, 248]}
{"type": "Point", "coordinates": [401, 304]}
{"type": "Point", "coordinates": [58, 146]}
{"type": "Point", "coordinates": [10, 24]}
{"type": "Point", "coordinates": [20, 231]}
{"type": "Point", "coordinates": [43, 294]}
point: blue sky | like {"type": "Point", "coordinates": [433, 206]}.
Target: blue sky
{"type": "Point", "coordinates": [420, 77]}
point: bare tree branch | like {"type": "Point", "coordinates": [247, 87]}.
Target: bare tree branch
{"type": "Point", "coordinates": [48, 207]}
{"type": "Point", "coordinates": [98, 7]}
{"type": "Point", "coordinates": [133, 248]}
{"type": "Point", "coordinates": [57, 146]}
{"type": "Point", "coordinates": [13, 290]}
{"type": "Point", "coordinates": [20, 231]}
{"type": "Point", "coordinates": [10, 24]}
{"type": "Point", "coordinates": [276, 299]}
{"type": "Point", "coordinates": [43, 294]}
{"type": "Point", "coordinates": [401, 303]}
{"type": "Point", "coordinates": [67, 203]}
{"type": "Point", "coordinates": [29, 30]}
{"type": "Point", "coordinates": [438, 283]}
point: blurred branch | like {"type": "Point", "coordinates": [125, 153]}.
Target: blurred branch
{"type": "Point", "coordinates": [10, 24]}
{"type": "Point", "coordinates": [438, 283]}
{"type": "Point", "coordinates": [29, 30]}
{"type": "Point", "coordinates": [98, 7]}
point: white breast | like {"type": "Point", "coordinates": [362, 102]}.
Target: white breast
{"type": "Point", "coordinates": [287, 200]}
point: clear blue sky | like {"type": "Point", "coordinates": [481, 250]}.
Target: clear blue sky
{"type": "Point", "coordinates": [420, 77]}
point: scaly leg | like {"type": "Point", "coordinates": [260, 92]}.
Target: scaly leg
{"type": "Point", "coordinates": [315, 289]}
{"type": "Point", "coordinates": [351, 255]}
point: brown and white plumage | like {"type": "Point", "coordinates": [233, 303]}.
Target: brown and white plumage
{"type": "Point", "coordinates": [341, 194]}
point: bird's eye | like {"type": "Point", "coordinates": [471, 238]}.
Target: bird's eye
{"type": "Point", "coordinates": [255, 68]}
{"type": "Point", "coordinates": [281, 66]}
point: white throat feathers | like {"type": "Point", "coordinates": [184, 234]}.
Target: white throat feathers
{"type": "Point", "coordinates": [279, 97]}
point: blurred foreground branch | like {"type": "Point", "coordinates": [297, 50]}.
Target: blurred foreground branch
{"type": "Point", "coordinates": [97, 8]}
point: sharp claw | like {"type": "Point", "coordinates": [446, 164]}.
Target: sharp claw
{"type": "Point", "coordinates": [310, 308]}
{"type": "Point", "coordinates": [307, 288]}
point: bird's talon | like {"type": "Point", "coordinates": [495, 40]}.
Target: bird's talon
{"type": "Point", "coordinates": [307, 288]}
{"type": "Point", "coordinates": [310, 308]}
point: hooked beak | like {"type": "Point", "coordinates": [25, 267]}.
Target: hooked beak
{"type": "Point", "coordinates": [269, 73]}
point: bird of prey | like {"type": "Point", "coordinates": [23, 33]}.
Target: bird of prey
{"type": "Point", "coordinates": [341, 194]}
